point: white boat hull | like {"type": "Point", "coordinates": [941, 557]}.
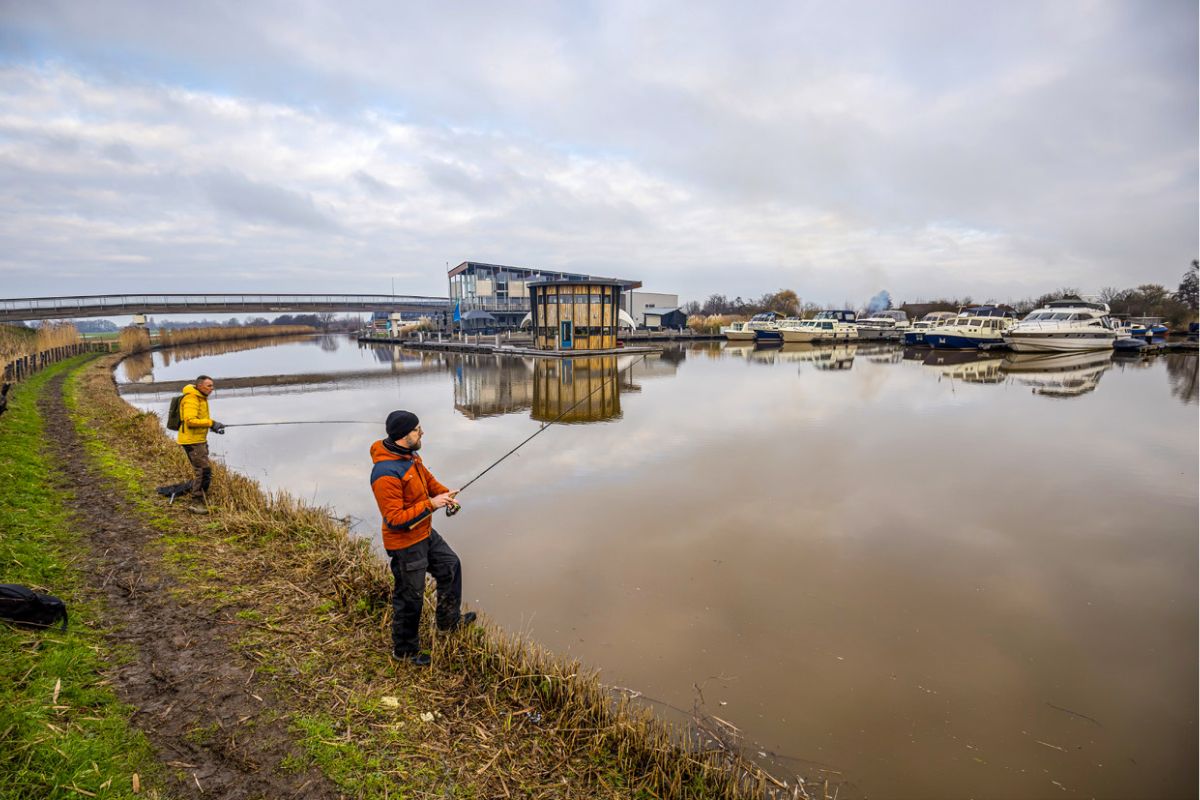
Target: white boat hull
{"type": "Point", "coordinates": [1065, 343]}
{"type": "Point", "coordinates": [740, 336]}
{"type": "Point", "coordinates": [811, 336]}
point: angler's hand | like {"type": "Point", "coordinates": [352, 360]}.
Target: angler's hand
{"type": "Point", "coordinates": [218, 427]}
{"type": "Point", "coordinates": [443, 500]}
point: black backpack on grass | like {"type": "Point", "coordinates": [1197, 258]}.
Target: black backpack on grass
{"type": "Point", "coordinates": [174, 418]}
{"type": "Point", "coordinates": [23, 606]}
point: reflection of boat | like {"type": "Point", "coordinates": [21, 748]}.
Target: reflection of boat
{"type": "Point", "coordinates": [822, 356]}
{"type": "Point", "coordinates": [1059, 374]}
{"type": "Point", "coordinates": [826, 326]}
{"type": "Point", "coordinates": [916, 336]}
{"type": "Point", "coordinates": [972, 328]}
{"type": "Point", "coordinates": [841, 356]}
{"type": "Point", "coordinates": [1063, 326]}
{"type": "Point", "coordinates": [738, 332]}
{"type": "Point", "coordinates": [965, 365]}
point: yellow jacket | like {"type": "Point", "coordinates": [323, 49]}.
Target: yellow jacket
{"type": "Point", "coordinates": [193, 416]}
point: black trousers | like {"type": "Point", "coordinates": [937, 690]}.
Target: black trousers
{"type": "Point", "coordinates": [409, 566]}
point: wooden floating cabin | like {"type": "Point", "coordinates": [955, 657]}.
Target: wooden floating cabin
{"type": "Point", "coordinates": [575, 316]}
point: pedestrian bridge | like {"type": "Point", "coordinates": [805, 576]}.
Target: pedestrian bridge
{"type": "Point", "coordinates": [15, 309]}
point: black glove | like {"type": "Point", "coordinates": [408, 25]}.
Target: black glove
{"type": "Point", "coordinates": [217, 427]}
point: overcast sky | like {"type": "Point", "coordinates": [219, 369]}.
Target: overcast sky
{"type": "Point", "coordinates": [996, 150]}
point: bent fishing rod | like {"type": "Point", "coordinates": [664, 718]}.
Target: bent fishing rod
{"type": "Point", "coordinates": [453, 508]}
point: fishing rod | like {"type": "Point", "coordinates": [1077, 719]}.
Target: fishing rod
{"type": "Point", "coordinates": [453, 508]}
{"type": "Point", "coordinates": [305, 422]}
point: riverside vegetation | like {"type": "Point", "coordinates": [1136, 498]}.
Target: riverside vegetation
{"type": "Point", "coordinates": [307, 605]}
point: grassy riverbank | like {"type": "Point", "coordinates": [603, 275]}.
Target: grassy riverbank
{"type": "Point", "coordinates": [62, 731]}
{"type": "Point", "coordinates": [494, 717]}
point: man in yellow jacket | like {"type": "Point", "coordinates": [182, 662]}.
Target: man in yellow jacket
{"type": "Point", "coordinates": [194, 425]}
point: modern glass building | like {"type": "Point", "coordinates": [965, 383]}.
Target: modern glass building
{"type": "Point", "coordinates": [503, 291]}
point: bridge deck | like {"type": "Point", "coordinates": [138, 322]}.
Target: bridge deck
{"type": "Point", "coordinates": [110, 305]}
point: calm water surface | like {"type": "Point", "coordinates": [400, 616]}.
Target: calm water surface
{"type": "Point", "coordinates": [928, 576]}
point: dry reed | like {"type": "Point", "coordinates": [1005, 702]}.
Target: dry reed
{"type": "Point", "coordinates": [16, 341]}
{"type": "Point", "coordinates": [712, 323]}
{"type": "Point", "coordinates": [182, 336]}
{"type": "Point", "coordinates": [134, 339]}
{"type": "Point", "coordinates": [506, 715]}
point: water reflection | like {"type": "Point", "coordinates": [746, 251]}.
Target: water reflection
{"type": "Point", "coordinates": [907, 610]}
{"type": "Point", "coordinates": [1182, 372]}
{"type": "Point", "coordinates": [569, 390]}
{"type": "Point", "coordinates": [139, 368]}
{"type": "Point", "coordinates": [965, 365]}
{"type": "Point", "coordinates": [1059, 374]}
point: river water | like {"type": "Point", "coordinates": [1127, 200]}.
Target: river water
{"type": "Point", "coordinates": [932, 576]}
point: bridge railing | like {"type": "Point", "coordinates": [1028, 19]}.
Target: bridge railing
{"type": "Point", "coordinates": [91, 302]}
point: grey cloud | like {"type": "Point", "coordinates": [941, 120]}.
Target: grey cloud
{"type": "Point", "coordinates": [946, 147]}
{"type": "Point", "coordinates": [243, 199]}
{"type": "Point", "coordinates": [373, 185]}
{"type": "Point", "coordinates": [120, 152]}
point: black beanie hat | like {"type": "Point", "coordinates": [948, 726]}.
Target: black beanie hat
{"type": "Point", "coordinates": [400, 423]}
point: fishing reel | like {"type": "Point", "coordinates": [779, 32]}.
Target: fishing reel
{"type": "Point", "coordinates": [452, 508]}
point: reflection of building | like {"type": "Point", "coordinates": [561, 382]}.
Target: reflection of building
{"type": "Point", "coordinates": [575, 315]}
{"type": "Point", "coordinates": [1059, 375]}
{"type": "Point", "coordinates": [580, 389]}
{"type": "Point", "coordinates": [486, 385]}
{"type": "Point", "coordinates": [503, 292]}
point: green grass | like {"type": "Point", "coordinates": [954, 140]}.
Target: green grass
{"type": "Point", "coordinates": [51, 748]}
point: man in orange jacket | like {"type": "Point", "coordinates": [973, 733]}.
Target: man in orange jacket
{"type": "Point", "coordinates": [407, 495]}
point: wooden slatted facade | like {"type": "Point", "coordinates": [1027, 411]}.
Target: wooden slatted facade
{"type": "Point", "coordinates": [575, 316]}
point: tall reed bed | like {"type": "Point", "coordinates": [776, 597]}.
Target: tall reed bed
{"type": "Point", "coordinates": [712, 323]}
{"type": "Point", "coordinates": [18, 341]}
{"type": "Point", "coordinates": [134, 339]}
{"type": "Point", "coordinates": [174, 338]}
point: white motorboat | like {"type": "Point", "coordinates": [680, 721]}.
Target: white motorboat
{"type": "Point", "coordinates": [915, 336]}
{"type": "Point", "coordinates": [738, 332]}
{"type": "Point", "coordinates": [973, 329]}
{"type": "Point", "coordinates": [1064, 326]}
{"type": "Point", "coordinates": [827, 326]}
{"type": "Point", "coordinates": [889, 324]}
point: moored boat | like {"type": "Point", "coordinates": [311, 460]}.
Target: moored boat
{"type": "Point", "coordinates": [973, 329]}
{"type": "Point", "coordinates": [765, 327]}
{"type": "Point", "coordinates": [890, 324]}
{"type": "Point", "coordinates": [915, 336]}
{"type": "Point", "coordinates": [738, 332]}
{"type": "Point", "coordinates": [827, 326]}
{"type": "Point", "coordinates": [1064, 326]}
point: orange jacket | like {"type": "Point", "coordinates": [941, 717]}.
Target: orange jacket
{"type": "Point", "coordinates": [403, 488]}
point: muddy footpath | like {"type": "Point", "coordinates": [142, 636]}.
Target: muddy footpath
{"type": "Point", "coordinates": [212, 720]}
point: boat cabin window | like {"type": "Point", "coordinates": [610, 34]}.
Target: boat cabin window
{"type": "Point", "coordinates": [828, 326]}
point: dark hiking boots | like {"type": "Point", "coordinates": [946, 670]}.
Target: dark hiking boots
{"type": "Point", "coordinates": [416, 659]}
{"type": "Point", "coordinates": [463, 621]}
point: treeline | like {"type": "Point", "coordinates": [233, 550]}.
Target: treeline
{"type": "Point", "coordinates": [785, 302]}
{"type": "Point", "coordinates": [1177, 307]}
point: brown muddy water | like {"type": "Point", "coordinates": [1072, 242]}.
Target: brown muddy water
{"type": "Point", "coordinates": [929, 576]}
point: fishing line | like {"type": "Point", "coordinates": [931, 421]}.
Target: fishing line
{"type": "Point", "coordinates": [496, 463]}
